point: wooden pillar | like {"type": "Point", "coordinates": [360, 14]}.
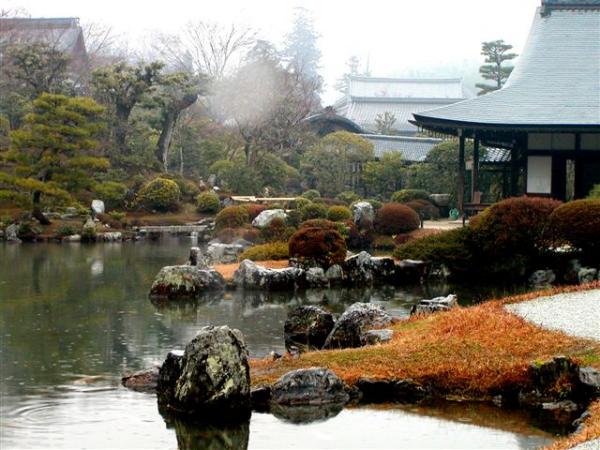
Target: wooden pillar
{"type": "Point", "coordinates": [559, 177]}
{"type": "Point", "coordinates": [578, 162]}
{"type": "Point", "coordinates": [460, 193]}
{"type": "Point", "coordinates": [514, 170]}
{"type": "Point", "coordinates": [475, 171]}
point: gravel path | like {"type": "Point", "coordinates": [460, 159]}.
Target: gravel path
{"type": "Point", "coordinates": [575, 313]}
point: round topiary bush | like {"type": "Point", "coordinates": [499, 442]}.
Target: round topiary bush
{"type": "Point", "coordinates": [357, 238]}
{"type": "Point", "coordinates": [311, 194]}
{"type": "Point", "coordinates": [228, 235]}
{"type": "Point", "coordinates": [254, 209]}
{"type": "Point", "coordinates": [232, 217]}
{"type": "Point", "coordinates": [313, 211]}
{"type": "Point", "coordinates": [338, 213]}
{"type": "Point", "coordinates": [578, 223]}
{"type": "Point", "coordinates": [300, 202]}
{"type": "Point", "coordinates": [112, 193]}
{"type": "Point", "coordinates": [348, 197]}
{"type": "Point", "coordinates": [519, 225]}
{"type": "Point", "coordinates": [265, 252]}
{"type": "Point", "coordinates": [406, 195]}
{"type": "Point", "coordinates": [424, 208]}
{"type": "Point", "coordinates": [208, 202]}
{"type": "Point", "coordinates": [277, 230]}
{"type": "Point", "coordinates": [318, 223]}
{"type": "Point", "coordinates": [325, 247]}
{"type": "Point", "coordinates": [394, 218]}
{"type": "Point", "coordinates": [159, 194]}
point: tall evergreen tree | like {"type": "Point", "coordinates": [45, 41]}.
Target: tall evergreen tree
{"type": "Point", "coordinates": [301, 49]}
{"type": "Point", "coordinates": [496, 53]}
{"type": "Point", "coordinates": [53, 153]}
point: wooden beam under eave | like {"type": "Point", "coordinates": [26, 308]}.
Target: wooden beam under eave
{"type": "Point", "coordinates": [460, 194]}
{"type": "Point", "coordinates": [475, 170]}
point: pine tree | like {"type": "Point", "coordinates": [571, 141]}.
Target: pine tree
{"type": "Point", "coordinates": [300, 48]}
{"type": "Point", "coordinates": [54, 151]}
{"type": "Point", "coordinates": [495, 53]}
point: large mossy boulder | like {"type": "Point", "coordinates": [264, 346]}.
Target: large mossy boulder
{"type": "Point", "coordinates": [307, 327]}
{"type": "Point", "coordinates": [177, 282]}
{"type": "Point", "coordinates": [311, 386]}
{"type": "Point", "coordinates": [210, 380]}
{"type": "Point", "coordinates": [351, 328]}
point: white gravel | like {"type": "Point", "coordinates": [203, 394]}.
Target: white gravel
{"type": "Point", "coordinates": [589, 445]}
{"type": "Point", "coordinates": [575, 313]}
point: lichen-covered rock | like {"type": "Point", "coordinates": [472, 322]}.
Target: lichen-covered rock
{"type": "Point", "coordinates": [110, 236]}
{"type": "Point", "coordinates": [98, 206]}
{"type": "Point", "coordinates": [265, 217]}
{"type": "Point", "coordinates": [218, 253]}
{"type": "Point", "coordinates": [364, 268]}
{"type": "Point", "coordinates": [312, 386]}
{"type": "Point", "coordinates": [250, 275]}
{"type": "Point", "coordinates": [178, 282]}
{"type": "Point", "coordinates": [142, 380]}
{"type": "Point", "coordinates": [363, 214]}
{"type": "Point", "coordinates": [72, 238]}
{"type": "Point", "coordinates": [378, 336]}
{"type": "Point", "coordinates": [214, 377]}
{"type": "Point", "coordinates": [351, 328]}
{"type": "Point", "coordinates": [11, 233]}
{"type": "Point", "coordinates": [315, 277]}
{"type": "Point", "coordinates": [589, 381]}
{"type": "Point", "coordinates": [383, 391]}
{"type": "Point", "coordinates": [542, 278]}
{"type": "Point", "coordinates": [307, 327]}
{"type": "Point", "coordinates": [168, 374]}
{"type": "Point", "coordinates": [335, 274]}
{"type": "Point", "coordinates": [426, 306]}
{"type": "Point", "coordinates": [587, 275]}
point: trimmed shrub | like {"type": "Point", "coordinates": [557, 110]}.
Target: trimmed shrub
{"type": "Point", "coordinates": [208, 202]}
{"type": "Point", "coordinates": [67, 230]}
{"type": "Point", "coordinates": [348, 197]}
{"type": "Point", "coordinates": [159, 194]}
{"type": "Point", "coordinates": [394, 218]}
{"type": "Point", "coordinates": [338, 213]}
{"type": "Point", "coordinates": [113, 194]}
{"type": "Point", "coordinates": [318, 223]}
{"type": "Point", "coordinates": [300, 202]}
{"type": "Point", "coordinates": [578, 222]}
{"type": "Point", "coordinates": [277, 230]}
{"type": "Point", "coordinates": [406, 195]}
{"type": "Point", "coordinates": [595, 192]}
{"type": "Point", "coordinates": [519, 225]}
{"type": "Point", "coordinates": [313, 211]}
{"type": "Point", "coordinates": [325, 247]}
{"type": "Point", "coordinates": [311, 194]}
{"type": "Point", "coordinates": [231, 217]}
{"type": "Point", "coordinates": [451, 248]}
{"type": "Point", "coordinates": [254, 209]}
{"type": "Point", "coordinates": [358, 239]}
{"type": "Point", "coordinates": [266, 252]}
{"type": "Point", "coordinates": [294, 218]}
{"type": "Point", "coordinates": [228, 235]}
{"type": "Point", "coordinates": [251, 234]}
{"type": "Point", "coordinates": [424, 209]}
{"type": "Point", "coordinates": [382, 242]}
{"type": "Point", "coordinates": [376, 204]}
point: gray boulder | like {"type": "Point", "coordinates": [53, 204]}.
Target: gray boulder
{"type": "Point", "coordinates": [315, 277]}
{"type": "Point", "coordinates": [212, 378]}
{"type": "Point", "coordinates": [436, 304]}
{"type": "Point", "coordinates": [98, 206]}
{"type": "Point", "coordinates": [351, 328]}
{"type": "Point", "coordinates": [265, 217]}
{"type": "Point", "coordinates": [589, 380]}
{"type": "Point", "coordinates": [307, 327]}
{"type": "Point", "coordinates": [142, 380]}
{"type": "Point", "coordinates": [440, 199]}
{"type": "Point", "coordinates": [174, 282]}
{"type": "Point", "coordinates": [72, 238]}
{"type": "Point", "coordinates": [11, 233]}
{"type": "Point", "coordinates": [111, 236]}
{"type": "Point", "coordinates": [364, 268]}
{"type": "Point", "coordinates": [378, 336]}
{"type": "Point", "coordinates": [542, 278]}
{"type": "Point", "coordinates": [250, 275]}
{"type": "Point", "coordinates": [587, 275]}
{"type": "Point", "coordinates": [363, 214]}
{"type": "Point", "coordinates": [312, 386]}
{"type": "Point", "coordinates": [219, 253]}
{"type": "Point", "coordinates": [335, 274]}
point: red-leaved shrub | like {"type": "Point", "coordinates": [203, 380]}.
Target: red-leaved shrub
{"type": "Point", "coordinates": [254, 209]}
{"type": "Point", "coordinates": [578, 223]}
{"type": "Point", "coordinates": [424, 208]}
{"type": "Point", "coordinates": [394, 218]}
{"type": "Point", "coordinates": [325, 247]}
{"type": "Point", "coordinates": [318, 223]}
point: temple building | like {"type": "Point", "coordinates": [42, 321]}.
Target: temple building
{"type": "Point", "coordinates": [370, 98]}
{"type": "Point", "coordinates": [548, 112]}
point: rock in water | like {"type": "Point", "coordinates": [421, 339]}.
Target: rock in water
{"type": "Point", "coordinates": [12, 233]}
{"type": "Point", "coordinates": [218, 253]}
{"type": "Point", "coordinates": [426, 306]}
{"type": "Point", "coordinates": [98, 206]}
{"type": "Point", "coordinates": [363, 214]}
{"type": "Point", "coordinates": [307, 327]}
{"type": "Point", "coordinates": [142, 381]}
{"type": "Point", "coordinates": [312, 386]}
{"type": "Point", "coordinates": [351, 328]}
{"type": "Point", "coordinates": [212, 378]}
{"type": "Point", "coordinates": [265, 217]}
{"type": "Point", "coordinates": [175, 282]}
{"type": "Point", "coordinates": [250, 275]}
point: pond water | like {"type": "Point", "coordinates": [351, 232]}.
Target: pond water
{"type": "Point", "coordinates": [74, 317]}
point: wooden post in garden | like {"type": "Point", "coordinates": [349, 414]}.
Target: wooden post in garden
{"type": "Point", "coordinates": [475, 170]}
{"type": "Point", "coordinates": [460, 194]}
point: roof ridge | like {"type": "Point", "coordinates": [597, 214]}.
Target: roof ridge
{"type": "Point", "coordinates": [408, 79]}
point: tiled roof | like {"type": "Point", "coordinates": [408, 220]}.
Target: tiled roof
{"type": "Point", "coordinates": [555, 82]}
{"type": "Point", "coordinates": [413, 149]}
{"type": "Point", "coordinates": [62, 33]}
{"type": "Point", "coordinates": [405, 87]}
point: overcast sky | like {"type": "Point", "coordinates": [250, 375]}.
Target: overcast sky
{"type": "Point", "coordinates": [396, 36]}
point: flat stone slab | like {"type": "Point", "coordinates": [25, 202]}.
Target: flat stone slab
{"type": "Point", "coordinates": [574, 313]}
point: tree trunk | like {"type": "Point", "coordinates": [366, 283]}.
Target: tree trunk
{"type": "Point", "coordinates": [164, 141]}
{"type": "Point", "coordinates": [37, 210]}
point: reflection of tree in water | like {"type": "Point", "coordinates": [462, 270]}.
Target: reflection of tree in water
{"type": "Point", "coordinates": [194, 435]}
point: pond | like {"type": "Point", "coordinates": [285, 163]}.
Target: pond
{"type": "Point", "coordinates": [74, 317]}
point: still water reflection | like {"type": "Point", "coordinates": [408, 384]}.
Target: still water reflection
{"type": "Point", "coordinates": [74, 317]}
